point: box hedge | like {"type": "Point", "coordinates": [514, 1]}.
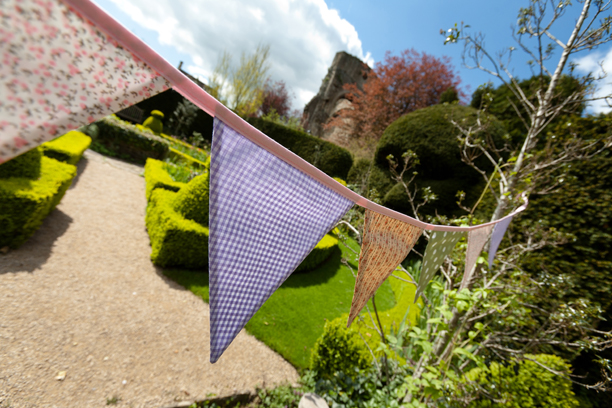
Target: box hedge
{"type": "Point", "coordinates": [157, 177]}
{"type": "Point", "coordinates": [321, 253]}
{"type": "Point", "coordinates": [67, 148]}
{"type": "Point", "coordinates": [26, 165]}
{"type": "Point", "coordinates": [25, 203]}
{"type": "Point", "coordinates": [175, 240]}
{"type": "Point", "coordinates": [333, 160]}
{"type": "Point", "coordinates": [192, 200]}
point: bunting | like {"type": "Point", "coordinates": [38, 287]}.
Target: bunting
{"type": "Point", "coordinates": [476, 241]}
{"type": "Point", "coordinates": [59, 72]}
{"type": "Point", "coordinates": [265, 217]}
{"type": "Point", "coordinates": [386, 243]}
{"type": "Point", "coordinates": [498, 234]}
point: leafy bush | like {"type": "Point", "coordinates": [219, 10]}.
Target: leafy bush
{"type": "Point", "coordinates": [333, 160]}
{"type": "Point", "coordinates": [525, 385]}
{"type": "Point", "coordinates": [192, 200]}
{"type": "Point", "coordinates": [175, 241]}
{"type": "Point", "coordinates": [156, 176]}
{"type": "Point", "coordinates": [154, 122]}
{"type": "Point", "coordinates": [324, 249]}
{"type": "Point", "coordinates": [67, 148]}
{"type": "Point", "coordinates": [26, 165]}
{"type": "Point", "coordinates": [339, 349]}
{"type": "Point", "coordinates": [25, 203]}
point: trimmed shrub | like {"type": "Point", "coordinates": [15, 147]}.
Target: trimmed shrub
{"type": "Point", "coordinates": [357, 175]}
{"type": "Point", "coordinates": [333, 160]}
{"type": "Point", "coordinates": [339, 349]}
{"type": "Point", "coordinates": [25, 203]}
{"type": "Point", "coordinates": [157, 177]}
{"type": "Point", "coordinates": [525, 385]}
{"type": "Point", "coordinates": [321, 253]}
{"type": "Point", "coordinates": [26, 165]}
{"type": "Point", "coordinates": [67, 148]}
{"type": "Point", "coordinates": [126, 141]}
{"type": "Point", "coordinates": [154, 122]}
{"type": "Point", "coordinates": [175, 241]}
{"type": "Point", "coordinates": [192, 200]}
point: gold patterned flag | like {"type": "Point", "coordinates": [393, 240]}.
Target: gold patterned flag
{"type": "Point", "coordinates": [476, 241]}
{"type": "Point", "coordinates": [386, 243]}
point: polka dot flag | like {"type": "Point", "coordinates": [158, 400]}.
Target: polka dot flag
{"type": "Point", "coordinates": [476, 241]}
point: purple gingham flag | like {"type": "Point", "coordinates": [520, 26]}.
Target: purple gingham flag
{"type": "Point", "coordinates": [496, 238]}
{"type": "Point", "coordinates": [265, 217]}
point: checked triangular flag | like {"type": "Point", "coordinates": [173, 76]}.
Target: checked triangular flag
{"type": "Point", "coordinates": [266, 216]}
{"type": "Point", "coordinates": [58, 72]}
{"type": "Point", "coordinates": [386, 243]}
{"type": "Point", "coordinates": [441, 244]}
{"type": "Point", "coordinates": [476, 241]}
{"type": "Point", "coordinates": [497, 236]}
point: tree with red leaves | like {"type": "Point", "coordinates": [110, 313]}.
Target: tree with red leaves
{"type": "Point", "coordinates": [397, 86]}
{"type": "Point", "coordinates": [275, 97]}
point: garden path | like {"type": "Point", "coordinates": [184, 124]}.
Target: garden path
{"type": "Point", "coordinates": [82, 297]}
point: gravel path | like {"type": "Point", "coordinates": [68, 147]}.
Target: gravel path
{"type": "Point", "coordinates": [82, 297]}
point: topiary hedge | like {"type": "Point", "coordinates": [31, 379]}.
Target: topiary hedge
{"type": "Point", "coordinates": [321, 253]}
{"type": "Point", "coordinates": [175, 240]}
{"type": "Point", "coordinates": [68, 148]}
{"type": "Point", "coordinates": [430, 134]}
{"type": "Point", "coordinates": [24, 203]}
{"type": "Point", "coordinates": [26, 165]}
{"type": "Point", "coordinates": [333, 160]}
{"type": "Point", "coordinates": [192, 200]}
{"type": "Point", "coordinates": [157, 177]}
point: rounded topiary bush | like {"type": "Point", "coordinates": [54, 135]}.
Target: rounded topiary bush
{"type": "Point", "coordinates": [192, 200]}
{"type": "Point", "coordinates": [154, 122]}
{"type": "Point", "coordinates": [431, 135]}
{"type": "Point", "coordinates": [26, 165]}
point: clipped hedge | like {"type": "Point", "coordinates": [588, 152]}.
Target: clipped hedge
{"type": "Point", "coordinates": [333, 160]}
{"type": "Point", "coordinates": [192, 200]}
{"type": "Point", "coordinates": [25, 203]}
{"type": "Point", "coordinates": [128, 142]}
{"type": "Point", "coordinates": [175, 241]}
{"type": "Point", "coordinates": [67, 148]}
{"type": "Point", "coordinates": [188, 160]}
{"type": "Point", "coordinates": [321, 253]}
{"type": "Point", "coordinates": [26, 165]}
{"type": "Point", "coordinates": [157, 177]}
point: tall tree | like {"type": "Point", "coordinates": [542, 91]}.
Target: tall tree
{"type": "Point", "coordinates": [275, 98]}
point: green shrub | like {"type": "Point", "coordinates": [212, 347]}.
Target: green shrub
{"type": "Point", "coordinates": [67, 148]}
{"type": "Point", "coordinates": [26, 165]}
{"type": "Point", "coordinates": [525, 385]}
{"type": "Point", "coordinates": [25, 203]}
{"type": "Point", "coordinates": [333, 160]}
{"type": "Point", "coordinates": [175, 241]}
{"type": "Point", "coordinates": [127, 142]}
{"type": "Point", "coordinates": [157, 177]}
{"type": "Point", "coordinates": [154, 122]}
{"type": "Point", "coordinates": [358, 174]}
{"type": "Point", "coordinates": [430, 134]}
{"type": "Point", "coordinates": [321, 253]}
{"type": "Point", "coordinates": [339, 349]}
{"type": "Point", "coordinates": [192, 200]}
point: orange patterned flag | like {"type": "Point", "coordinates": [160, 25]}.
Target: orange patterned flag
{"type": "Point", "coordinates": [386, 243]}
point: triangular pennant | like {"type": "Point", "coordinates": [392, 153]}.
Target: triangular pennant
{"type": "Point", "coordinates": [60, 72]}
{"type": "Point", "coordinates": [477, 239]}
{"type": "Point", "coordinates": [496, 237]}
{"type": "Point", "coordinates": [265, 217]}
{"type": "Point", "coordinates": [441, 244]}
{"type": "Point", "coordinates": [386, 243]}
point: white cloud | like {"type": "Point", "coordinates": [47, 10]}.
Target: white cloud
{"type": "Point", "coordinates": [303, 35]}
{"type": "Point", "coordinates": [591, 64]}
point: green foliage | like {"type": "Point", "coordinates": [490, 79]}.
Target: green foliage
{"type": "Point", "coordinates": [429, 133]}
{"type": "Point", "coordinates": [284, 396]}
{"type": "Point", "coordinates": [175, 241]}
{"type": "Point", "coordinates": [358, 174]}
{"type": "Point", "coordinates": [128, 142]}
{"type": "Point", "coordinates": [67, 148]}
{"type": "Point", "coordinates": [157, 176]}
{"type": "Point", "coordinates": [339, 349]}
{"type": "Point", "coordinates": [192, 200]}
{"type": "Point", "coordinates": [154, 122]}
{"type": "Point", "coordinates": [449, 96]}
{"type": "Point", "coordinates": [292, 122]}
{"type": "Point", "coordinates": [333, 160]}
{"type": "Point", "coordinates": [321, 253]}
{"type": "Point", "coordinates": [187, 159]}
{"type": "Point", "coordinates": [26, 165]}
{"type": "Point", "coordinates": [25, 203]}
{"type": "Point", "coordinates": [524, 385]}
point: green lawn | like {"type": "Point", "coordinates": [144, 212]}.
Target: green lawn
{"type": "Point", "coordinates": [293, 318]}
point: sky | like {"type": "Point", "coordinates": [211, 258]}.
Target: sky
{"type": "Point", "coordinates": [304, 35]}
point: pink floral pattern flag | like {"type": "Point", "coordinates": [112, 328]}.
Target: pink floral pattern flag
{"type": "Point", "coordinates": [59, 72]}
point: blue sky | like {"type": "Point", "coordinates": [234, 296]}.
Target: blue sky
{"type": "Point", "coordinates": [304, 35]}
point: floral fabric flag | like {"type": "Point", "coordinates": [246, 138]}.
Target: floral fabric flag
{"type": "Point", "coordinates": [265, 217]}
{"type": "Point", "coordinates": [59, 72]}
{"type": "Point", "coordinates": [476, 241]}
{"type": "Point", "coordinates": [386, 243]}
{"type": "Point", "coordinates": [496, 237]}
{"type": "Point", "coordinates": [441, 243]}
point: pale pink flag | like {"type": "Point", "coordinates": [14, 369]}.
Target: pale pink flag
{"type": "Point", "coordinates": [476, 241]}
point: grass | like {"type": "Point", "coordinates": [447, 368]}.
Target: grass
{"type": "Point", "coordinates": [293, 318]}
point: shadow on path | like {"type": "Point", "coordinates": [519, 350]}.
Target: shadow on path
{"type": "Point", "coordinates": [81, 166]}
